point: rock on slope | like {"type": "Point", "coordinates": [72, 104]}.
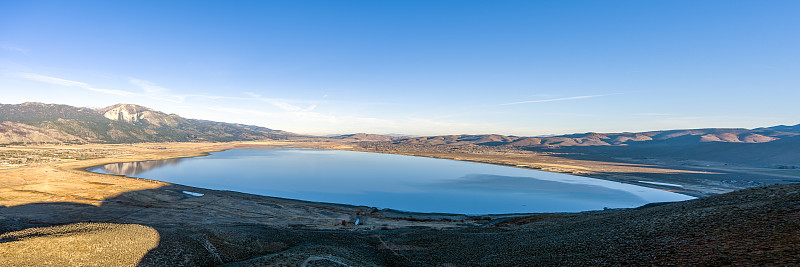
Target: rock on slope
{"type": "Point", "coordinates": [136, 114]}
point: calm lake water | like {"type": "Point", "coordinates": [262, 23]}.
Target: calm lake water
{"type": "Point", "coordinates": [392, 181]}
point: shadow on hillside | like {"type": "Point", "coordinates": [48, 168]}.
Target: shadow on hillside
{"type": "Point", "coordinates": [671, 169]}
{"type": "Point", "coordinates": [180, 240]}
{"type": "Point", "coordinates": [757, 226]}
{"type": "Point", "coordinates": [771, 154]}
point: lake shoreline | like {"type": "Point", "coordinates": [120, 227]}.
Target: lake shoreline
{"type": "Point", "coordinates": [413, 184]}
{"type": "Point", "coordinates": [697, 179]}
{"type": "Point", "coordinates": [96, 190]}
{"type": "Point", "coordinates": [504, 161]}
{"type": "Point", "coordinates": [92, 190]}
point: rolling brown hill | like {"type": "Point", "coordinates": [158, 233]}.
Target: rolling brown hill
{"type": "Point", "coordinates": [670, 137]}
{"type": "Point", "coordinates": [364, 137]}
{"type": "Point", "coordinates": [777, 146]}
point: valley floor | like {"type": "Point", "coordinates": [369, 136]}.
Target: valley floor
{"type": "Point", "coordinates": [52, 212]}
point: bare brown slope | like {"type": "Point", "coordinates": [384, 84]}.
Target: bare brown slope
{"type": "Point", "coordinates": [13, 132]}
{"type": "Point", "coordinates": [364, 137]}
{"type": "Point", "coordinates": [763, 147]}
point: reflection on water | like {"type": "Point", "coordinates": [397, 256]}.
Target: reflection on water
{"type": "Point", "coordinates": [393, 181]}
{"type": "Point", "coordinates": [511, 184]}
{"type": "Point", "coordinates": [134, 168]}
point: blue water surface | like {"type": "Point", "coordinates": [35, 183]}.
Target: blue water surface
{"type": "Point", "coordinates": [393, 181]}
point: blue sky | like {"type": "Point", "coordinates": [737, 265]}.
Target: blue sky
{"type": "Point", "coordinates": [414, 67]}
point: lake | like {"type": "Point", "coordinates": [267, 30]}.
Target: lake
{"type": "Point", "coordinates": [398, 182]}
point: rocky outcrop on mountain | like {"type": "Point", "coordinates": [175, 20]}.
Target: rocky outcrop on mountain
{"type": "Point", "coordinates": [136, 114]}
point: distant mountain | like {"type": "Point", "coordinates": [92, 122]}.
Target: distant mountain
{"type": "Point", "coordinates": [782, 128]}
{"type": "Point", "coordinates": [126, 123]}
{"type": "Point", "coordinates": [652, 138]}
{"type": "Point", "coordinates": [402, 135]}
{"type": "Point", "coordinates": [33, 122]}
{"type": "Point", "coordinates": [774, 146]}
{"type": "Point", "coordinates": [364, 137]}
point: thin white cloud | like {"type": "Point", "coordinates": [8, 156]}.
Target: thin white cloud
{"type": "Point", "coordinates": [70, 83]}
{"type": "Point", "coordinates": [14, 49]}
{"type": "Point", "coordinates": [157, 92]}
{"type": "Point", "coordinates": [294, 116]}
{"type": "Point", "coordinates": [281, 103]}
{"type": "Point", "coordinates": [212, 97]}
{"type": "Point", "coordinates": [153, 91]}
{"type": "Point", "coordinates": [148, 86]}
{"type": "Point", "coordinates": [558, 99]}
{"type": "Point", "coordinates": [652, 114]}
{"type": "Point", "coordinates": [542, 96]}
{"type": "Point", "coordinates": [318, 123]}
{"type": "Point", "coordinates": [51, 80]}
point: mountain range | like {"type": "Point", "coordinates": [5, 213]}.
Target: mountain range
{"type": "Point", "coordinates": [34, 122]}
{"type": "Point", "coordinates": [777, 146]}
{"type": "Point", "coordinates": [668, 137]}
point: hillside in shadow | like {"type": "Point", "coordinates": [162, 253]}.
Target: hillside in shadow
{"type": "Point", "coordinates": [781, 153]}
{"type": "Point", "coordinates": [756, 226]}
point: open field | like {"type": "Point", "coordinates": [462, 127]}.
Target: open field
{"type": "Point", "coordinates": [49, 204]}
